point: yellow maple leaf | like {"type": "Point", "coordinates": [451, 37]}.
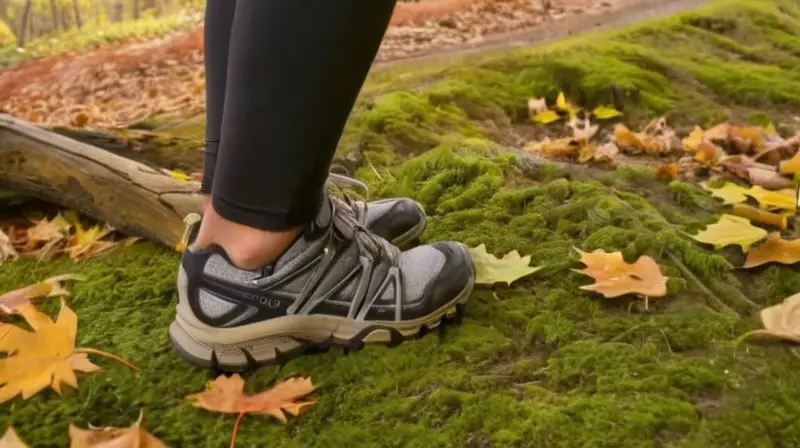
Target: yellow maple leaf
{"type": "Point", "coordinates": [730, 193]}
{"type": "Point", "coordinates": [731, 230]}
{"type": "Point", "coordinates": [87, 243]}
{"type": "Point", "coordinates": [780, 199]}
{"type": "Point", "coordinates": [605, 113]}
{"type": "Point", "coordinates": [546, 117]}
{"type": "Point", "coordinates": [694, 139]}
{"type": "Point", "coordinates": [490, 269]}
{"type": "Point", "coordinates": [44, 357]}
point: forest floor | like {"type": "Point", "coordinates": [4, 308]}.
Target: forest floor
{"type": "Point", "coordinates": [539, 364]}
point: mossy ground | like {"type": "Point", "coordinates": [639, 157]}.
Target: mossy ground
{"type": "Point", "coordinates": [542, 364]}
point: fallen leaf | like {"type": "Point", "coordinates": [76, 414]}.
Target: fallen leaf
{"type": "Point", "coordinates": [774, 250]}
{"type": "Point", "coordinates": [51, 287]}
{"type": "Point", "coordinates": [226, 395]}
{"type": "Point", "coordinates": [730, 193]}
{"type": "Point", "coordinates": [791, 166]}
{"type": "Point", "coordinates": [718, 133]}
{"type": "Point", "coordinates": [781, 199]}
{"type": "Point", "coordinates": [614, 277]}
{"type": "Point", "coordinates": [110, 437]}
{"type": "Point", "coordinates": [769, 179]}
{"type": "Point", "coordinates": [746, 138]}
{"type": "Point", "coordinates": [546, 117]}
{"type": "Point", "coordinates": [490, 269]}
{"type": "Point", "coordinates": [536, 106]}
{"type": "Point", "coordinates": [781, 321]}
{"type": "Point", "coordinates": [582, 129]}
{"type": "Point", "coordinates": [563, 105]}
{"type": "Point", "coordinates": [85, 244]}
{"type": "Point", "coordinates": [708, 153]}
{"type": "Point", "coordinates": [761, 216]}
{"type": "Point", "coordinates": [7, 251]}
{"type": "Point", "coordinates": [556, 149]}
{"type": "Point", "coordinates": [667, 171]}
{"type": "Point", "coordinates": [45, 357]}
{"type": "Point", "coordinates": [44, 238]}
{"type": "Point", "coordinates": [630, 141]}
{"type": "Point", "coordinates": [605, 113]}
{"type": "Point", "coordinates": [731, 230]}
{"type": "Point", "coordinates": [178, 175]}
{"type": "Point", "coordinates": [11, 440]}
{"type": "Point", "coordinates": [694, 139]}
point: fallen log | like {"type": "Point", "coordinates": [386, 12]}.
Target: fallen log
{"type": "Point", "coordinates": [132, 197]}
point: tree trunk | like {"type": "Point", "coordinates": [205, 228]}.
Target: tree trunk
{"type": "Point", "coordinates": [136, 9]}
{"type": "Point", "coordinates": [132, 197]}
{"type": "Point", "coordinates": [22, 36]}
{"type": "Point", "coordinates": [54, 12]}
{"type": "Point", "coordinates": [119, 11]}
{"type": "Point", "coordinates": [76, 6]}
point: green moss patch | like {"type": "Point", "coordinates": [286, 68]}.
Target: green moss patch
{"type": "Point", "coordinates": [540, 364]}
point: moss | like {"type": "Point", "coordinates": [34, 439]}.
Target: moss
{"type": "Point", "coordinates": [540, 363]}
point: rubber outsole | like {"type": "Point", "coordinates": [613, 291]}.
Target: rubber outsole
{"type": "Point", "coordinates": [279, 349]}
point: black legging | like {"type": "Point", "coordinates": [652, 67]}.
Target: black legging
{"type": "Point", "coordinates": [281, 79]}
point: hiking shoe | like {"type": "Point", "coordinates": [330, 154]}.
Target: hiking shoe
{"type": "Point", "coordinates": [338, 284]}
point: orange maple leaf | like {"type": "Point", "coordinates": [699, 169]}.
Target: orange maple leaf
{"type": "Point", "coordinates": [226, 394]}
{"type": "Point", "coordinates": [774, 250]}
{"type": "Point", "coordinates": [614, 277]}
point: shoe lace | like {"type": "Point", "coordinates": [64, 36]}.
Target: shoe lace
{"type": "Point", "coordinates": [344, 211]}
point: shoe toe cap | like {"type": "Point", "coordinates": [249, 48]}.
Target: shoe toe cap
{"type": "Point", "coordinates": [456, 276]}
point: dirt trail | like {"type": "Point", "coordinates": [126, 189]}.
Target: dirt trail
{"type": "Point", "coordinates": [120, 85]}
{"type": "Point", "coordinates": [626, 13]}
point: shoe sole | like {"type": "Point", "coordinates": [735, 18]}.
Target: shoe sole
{"type": "Point", "coordinates": [277, 340]}
{"type": "Point", "coordinates": [407, 239]}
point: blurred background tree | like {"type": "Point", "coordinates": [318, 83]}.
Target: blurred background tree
{"type": "Point", "coordinates": [26, 20]}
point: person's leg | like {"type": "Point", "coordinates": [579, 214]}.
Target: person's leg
{"type": "Point", "coordinates": [294, 71]}
{"type": "Point", "coordinates": [216, 41]}
{"type": "Point", "coordinates": [278, 265]}
{"type": "Point", "coordinates": [400, 220]}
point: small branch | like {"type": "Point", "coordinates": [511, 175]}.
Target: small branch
{"type": "Point", "coordinates": [94, 351]}
{"type": "Point", "coordinates": [718, 303]}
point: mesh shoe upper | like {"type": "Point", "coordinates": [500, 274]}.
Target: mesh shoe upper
{"type": "Point", "coordinates": [338, 268]}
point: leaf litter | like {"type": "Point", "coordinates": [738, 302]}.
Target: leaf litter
{"type": "Point", "coordinates": [614, 277]}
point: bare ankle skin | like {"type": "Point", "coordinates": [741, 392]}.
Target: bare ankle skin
{"type": "Point", "coordinates": [247, 247]}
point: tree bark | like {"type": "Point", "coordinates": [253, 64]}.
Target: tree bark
{"type": "Point", "coordinates": [132, 197]}
{"type": "Point", "coordinates": [54, 12]}
{"type": "Point", "coordinates": [77, 8]}
{"type": "Point", "coordinates": [22, 36]}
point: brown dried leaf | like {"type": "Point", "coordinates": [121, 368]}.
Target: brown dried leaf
{"type": "Point", "coordinates": [7, 251]}
{"type": "Point", "coordinates": [11, 440]}
{"type": "Point", "coordinates": [667, 171]}
{"type": "Point", "coordinates": [109, 437]}
{"type": "Point", "coordinates": [614, 277]}
{"type": "Point", "coordinates": [51, 287]}
{"type": "Point", "coordinates": [768, 179]}
{"type": "Point", "coordinates": [226, 395]}
{"type": "Point", "coordinates": [782, 321]}
{"type": "Point", "coordinates": [774, 250]}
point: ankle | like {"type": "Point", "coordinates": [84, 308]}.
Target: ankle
{"type": "Point", "coordinates": [247, 247]}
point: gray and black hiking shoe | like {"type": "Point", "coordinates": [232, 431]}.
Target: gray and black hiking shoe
{"type": "Point", "coordinates": [338, 284]}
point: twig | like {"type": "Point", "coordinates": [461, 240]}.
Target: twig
{"type": "Point", "coordinates": [719, 303]}
{"type": "Point", "coordinates": [236, 428]}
